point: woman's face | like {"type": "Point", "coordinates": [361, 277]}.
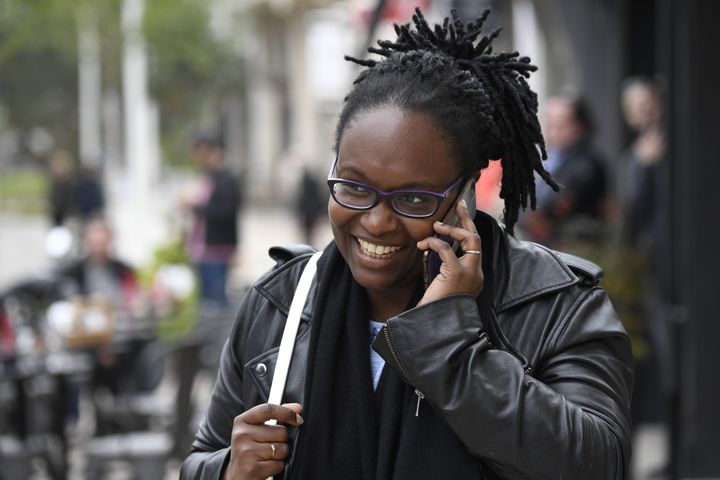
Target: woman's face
{"type": "Point", "coordinates": [641, 107]}
{"type": "Point", "coordinates": [390, 149]}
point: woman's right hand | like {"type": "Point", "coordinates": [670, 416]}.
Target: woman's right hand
{"type": "Point", "coordinates": [257, 450]}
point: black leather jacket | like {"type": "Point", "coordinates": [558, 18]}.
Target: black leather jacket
{"type": "Point", "coordinates": [538, 388]}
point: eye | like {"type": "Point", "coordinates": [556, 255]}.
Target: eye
{"type": "Point", "coordinates": [352, 190]}
{"type": "Point", "coordinates": [414, 199]}
{"type": "Point", "coordinates": [355, 188]}
{"type": "Point", "coordinates": [414, 204]}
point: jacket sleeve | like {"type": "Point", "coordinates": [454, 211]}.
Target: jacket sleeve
{"type": "Point", "coordinates": [210, 450]}
{"type": "Point", "coordinates": [569, 420]}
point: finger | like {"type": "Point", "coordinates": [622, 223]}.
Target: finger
{"type": "Point", "coordinates": [295, 407]}
{"type": "Point", "coordinates": [468, 238]}
{"type": "Point", "coordinates": [260, 414]}
{"type": "Point", "coordinates": [260, 433]}
{"type": "Point", "coordinates": [466, 220]}
{"type": "Point", "coordinates": [438, 228]}
{"type": "Point", "coordinates": [443, 249]}
{"type": "Point", "coordinates": [274, 451]}
{"type": "Point", "coordinates": [267, 468]}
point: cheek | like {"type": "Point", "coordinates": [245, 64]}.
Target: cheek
{"type": "Point", "coordinates": [419, 230]}
{"type": "Point", "coordinates": [334, 213]}
{"type": "Point", "coordinates": [339, 218]}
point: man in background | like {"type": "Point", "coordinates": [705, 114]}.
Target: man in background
{"type": "Point", "coordinates": [576, 212]}
{"type": "Point", "coordinates": [98, 273]}
{"type": "Point", "coordinates": [215, 204]}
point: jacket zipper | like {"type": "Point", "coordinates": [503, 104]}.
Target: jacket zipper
{"type": "Point", "coordinates": [420, 397]}
{"type": "Point", "coordinates": [403, 371]}
{"type": "Point", "coordinates": [395, 356]}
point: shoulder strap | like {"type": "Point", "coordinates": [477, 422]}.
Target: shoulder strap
{"type": "Point", "coordinates": [287, 343]}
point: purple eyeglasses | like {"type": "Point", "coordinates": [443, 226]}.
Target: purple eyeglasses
{"type": "Point", "coordinates": [409, 203]}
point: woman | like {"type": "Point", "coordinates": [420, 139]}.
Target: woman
{"type": "Point", "coordinates": [510, 364]}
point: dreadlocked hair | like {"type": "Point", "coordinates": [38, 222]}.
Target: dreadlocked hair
{"type": "Point", "coordinates": [480, 99]}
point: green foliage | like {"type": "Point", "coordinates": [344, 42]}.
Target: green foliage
{"type": "Point", "coordinates": [37, 25]}
{"type": "Point", "coordinates": [181, 322]}
{"type": "Point", "coordinates": [189, 68]}
{"type": "Point", "coordinates": [38, 60]}
{"type": "Point", "coordinates": [23, 191]}
{"type": "Point", "coordinates": [182, 315]}
{"type": "Point", "coordinates": [624, 270]}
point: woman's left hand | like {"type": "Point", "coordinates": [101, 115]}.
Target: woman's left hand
{"type": "Point", "coordinates": [457, 275]}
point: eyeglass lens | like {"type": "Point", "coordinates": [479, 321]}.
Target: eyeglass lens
{"type": "Point", "coordinates": [413, 204]}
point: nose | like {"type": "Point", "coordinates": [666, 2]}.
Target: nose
{"type": "Point", "coordinates": [380, 219]}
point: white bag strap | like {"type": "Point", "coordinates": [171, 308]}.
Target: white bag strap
{"type": "Point", "coordinates": [287, 343]}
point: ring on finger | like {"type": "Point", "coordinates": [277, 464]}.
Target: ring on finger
{"type": "Point", "coordinates": [274, 449]}
{"type": "Point", "coordinates": [473, 252]}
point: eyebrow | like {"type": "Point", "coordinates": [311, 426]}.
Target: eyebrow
{"type": "Point", "coordinates": [408, 186]}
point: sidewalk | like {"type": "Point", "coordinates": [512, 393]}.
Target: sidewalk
{"type": "Point", "coordinates": [22, 247]}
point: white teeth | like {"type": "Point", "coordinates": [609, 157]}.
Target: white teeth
{"type": "Point", "coordinates": [376, 251]}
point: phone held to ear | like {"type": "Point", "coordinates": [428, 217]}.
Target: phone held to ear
{"type": "Point", "coordinates": [431, 260]}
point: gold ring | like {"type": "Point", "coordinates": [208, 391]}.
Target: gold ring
{"type": "Point", "coordinates": [272, 447]}
{"type": "Point", "coordinates": [473, 252]}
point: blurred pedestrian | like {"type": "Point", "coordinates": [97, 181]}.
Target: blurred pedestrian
{"type": "Point", "coordinates": [643, 157]}
{"type": "Point", "coordinates": [98, 273]}
{"type": "Point", "coordinates": [215, 205]}
{"type": "Point", "coordinates": [311, 203]}
{"type": "Point", "coordinates": [61, 188]}
{"type": "Point", "coordinates": [641, 109]}
{"type": "Point", "coordinates": [88, 194]}
{"type": "Point", "coordinates": [101, 283]}
{"type": "Point", "coordinates": [577, 211]}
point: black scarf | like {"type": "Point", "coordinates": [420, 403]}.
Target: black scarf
{"type": "Point", "coordinates": [352, 432]}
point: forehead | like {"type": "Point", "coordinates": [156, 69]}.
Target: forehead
{"type": "Point", "coordinates": [638, 96]}
{"type": "Point", "coordinates": [559, 110]}
{"type": "Point", "coordinates": [392, 147]}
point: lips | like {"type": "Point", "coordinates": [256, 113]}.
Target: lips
{"type": "Point", "coordinates": [377, 251]}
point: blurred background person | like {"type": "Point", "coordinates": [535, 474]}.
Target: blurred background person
{"type": "Point", "coordinates": [215, 204]}
{"type": "Point", "coordinates": [88, 194]}
{"type": "Point", "coordinates": [98, 273]}
{"type": "Point", "coordinates": [576, 212]}
{"type": "Point", "coordinates": [310, 204]}
{"type": "Point", "coordinates": [642, 159]}
{"type": "Point", "coordinates": [101, 283]}
{"type": "Point", "coordinates": [641, 111]}
{"type": "Point", "coordinates": [60, 192]}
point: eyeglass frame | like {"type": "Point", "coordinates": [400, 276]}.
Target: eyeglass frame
{"type": "Point", "coordinates": [380, 194]}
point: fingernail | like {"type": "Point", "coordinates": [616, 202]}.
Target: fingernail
{"type": "Point", "coordinates": [464, 203]}
{"type": "Point", "coordinates": [299, 419]}
{"type": "Point", "coordinates": [438, 222]}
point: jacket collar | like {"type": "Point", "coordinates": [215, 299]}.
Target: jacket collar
{"type": "Point", "coordinates": [522, 271]}
{"type": "Point", "coordinates": [278, 286]}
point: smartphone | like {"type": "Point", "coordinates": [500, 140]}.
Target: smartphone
{"type": "Point", "coordinates": [431, 260]}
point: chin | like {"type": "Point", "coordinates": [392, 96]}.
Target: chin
{"type": "Point", "coordinates": [398, 279]}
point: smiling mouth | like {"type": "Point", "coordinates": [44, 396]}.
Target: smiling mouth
{"type": "Point", "coordinates": [377, 251]}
